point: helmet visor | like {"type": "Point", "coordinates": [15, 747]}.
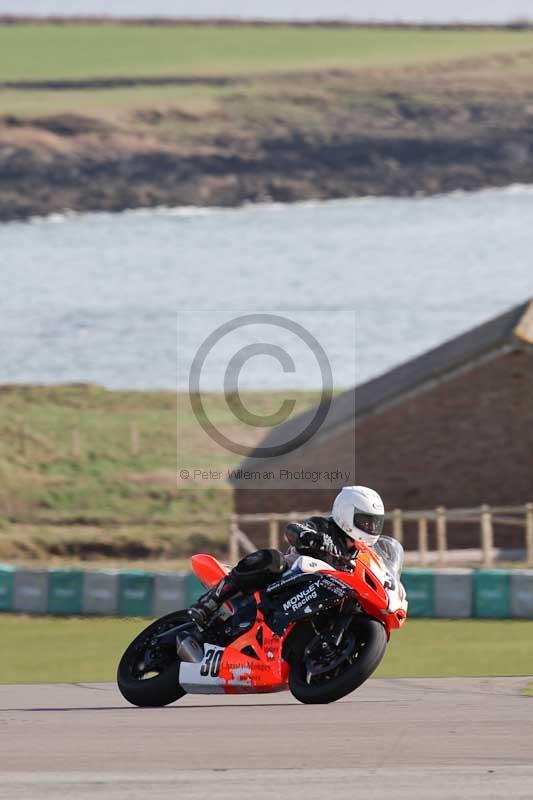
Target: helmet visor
{"type": "Point", "coordinates": [369, 523]}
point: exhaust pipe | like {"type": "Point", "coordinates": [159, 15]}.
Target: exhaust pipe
{"type": "Point", "coordinates": [189, 649]}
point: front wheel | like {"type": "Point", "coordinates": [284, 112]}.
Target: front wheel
{"type": "Point", "coordinates": [148, 672]}
{"type": "Point", "coordinates": [360, 654]}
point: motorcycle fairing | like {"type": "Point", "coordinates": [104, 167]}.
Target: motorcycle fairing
{"type": "Point", "coordinates": [203, 677]}
{"type": "Point", "coordinates": [310, 564]}
{"type": "Point", "coordinates": [252, 663]}
{"type": "Point", "coordinates": [380, 593]}
{"type": "Point", "coordinates": [297, 597]}
{"type": "Point", "coordinates": [228, 627]}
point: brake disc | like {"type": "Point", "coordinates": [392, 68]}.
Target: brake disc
{"type": "Point", "coordinates": [320, 663]}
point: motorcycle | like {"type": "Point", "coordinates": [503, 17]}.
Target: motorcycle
{"type": "Point", "coordinates": [318, 631]}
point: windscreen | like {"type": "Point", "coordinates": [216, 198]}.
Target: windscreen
{"type": "Point", "coordinates": [391, 551]}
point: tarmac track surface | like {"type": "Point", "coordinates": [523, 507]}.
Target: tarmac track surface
{"type": "Point", "coordinates": [433, 739]}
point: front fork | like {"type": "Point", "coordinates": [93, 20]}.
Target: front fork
{"type": "Point", "coordinates": [324, 651]}
{"type": "Point", "coordinates": [335, 633]}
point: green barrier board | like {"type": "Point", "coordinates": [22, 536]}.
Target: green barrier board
{"type": "Point", "coordinates": [64, 591]}
{"type": "Point", "coordinates": [418, 584]}
{"type": "Point", "coordinates": [7, 574]}
{"type": "Point", "coordinates": [492, 593]}
{"type": "Point", "coordinates": [135, 594]}
{"type": "Point", "coordinates": [193, 588]}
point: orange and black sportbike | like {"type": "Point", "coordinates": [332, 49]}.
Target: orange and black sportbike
{"type": "Point", "coordinates": [316, 631]}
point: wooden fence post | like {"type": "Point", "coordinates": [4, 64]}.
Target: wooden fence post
{"type": "Point", "coordinates": [442, 535]}
{"type": "Point", "coordinates": [233, 555]}
{"type": "Point", "coordinates": [423, 540]}
{"type": "Point", "coordinates": [486, 535]}
{"type": "Point", "coordinates": [273, 533]}
{"type": "Point", "coordinates": [397, 524]}
{"type": "Point", "coordinates": [529, 533]}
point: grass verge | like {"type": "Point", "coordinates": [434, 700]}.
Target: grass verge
{"type": "Point", "coordinates": [87, 473]}
{"type": "Point", "coordinates": [453, 648]}
{"type": "Point", "coordinates": [84, 51]}
{"type": "Point", "coordinates": [85, 649]}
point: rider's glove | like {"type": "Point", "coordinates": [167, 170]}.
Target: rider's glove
{"type": "Point", "coordinates": [313, 540]}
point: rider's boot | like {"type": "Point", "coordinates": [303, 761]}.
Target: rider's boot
{"type": "Point", "coordinates": [205, 608]}
{"type": "Point", "coordinates": [253, 572]}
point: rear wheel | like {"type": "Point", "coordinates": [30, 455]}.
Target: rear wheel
{"type": "Point", "coordinates": [148, 673]}
{"type": "Point", "coordinates": [317, 678]}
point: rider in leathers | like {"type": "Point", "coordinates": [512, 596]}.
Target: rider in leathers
{"type": "Point", "coordinates": [358, 513]}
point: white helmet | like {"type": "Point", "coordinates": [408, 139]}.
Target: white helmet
{"type": "Point", "coordinates": [360, 513]}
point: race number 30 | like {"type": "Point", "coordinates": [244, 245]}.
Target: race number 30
{"type": "Point", "coordinates": [211, 665]}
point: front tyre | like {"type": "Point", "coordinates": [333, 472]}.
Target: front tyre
{"type": "Point", "coordinates": [368, 641]}
{"type": "Point", "coordinates": [148, 673]}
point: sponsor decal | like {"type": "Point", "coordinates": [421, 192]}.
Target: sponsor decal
{"type": "Point", "coordinates": [302, 598]}
{"type": "Point", "coordinates": [241, 676]}
{"type": "Point", "coordinates": [257, 667]}
{"type": "Point", "coordinates": [284, 582]}
{"type": "Point", "coordinates": [334, 586]}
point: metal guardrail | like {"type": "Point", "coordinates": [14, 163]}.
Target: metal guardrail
{"type": "Point", "coordinates": [484, 516]}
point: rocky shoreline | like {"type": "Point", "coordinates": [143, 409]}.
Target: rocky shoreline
{"type": "Point", "coordinates": [285, 173]}
{"type": "Point", "coordinates": [334, 135]}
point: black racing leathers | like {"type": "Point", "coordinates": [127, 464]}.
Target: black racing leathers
{"type": "Point", "coordinates": [321, 537]}
{"type": "Point", "coordinates": [318, 537]}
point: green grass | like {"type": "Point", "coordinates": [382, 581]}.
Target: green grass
{"type": "Point", "coordinates": [63, 650]}
{"type": "Point", "coordinates": [56, 501]}
{"type": "Point", "coordinates": [81, 51]}
{"type": "Point", "coordinates": [444, 648]}
{"type": "Point", "coordinates": [528, 691]}
{"type": "Point", "coordinates": [107, 102]}
{"type": "Point", "coordinates": [75, 650]}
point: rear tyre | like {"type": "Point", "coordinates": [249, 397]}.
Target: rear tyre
{"type": "Point", "coordinates": [369, 644]}
{"type": "Point", "coordinates": [147, 674]}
